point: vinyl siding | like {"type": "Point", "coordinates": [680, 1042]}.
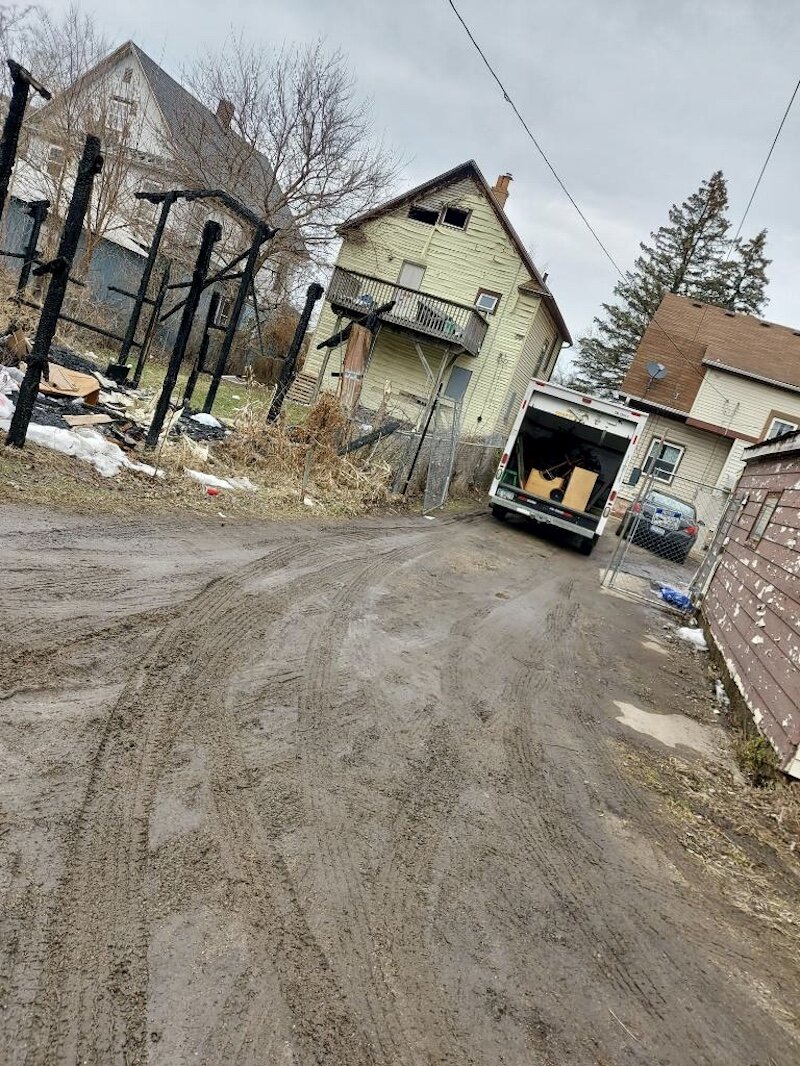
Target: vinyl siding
{"type": "Point", "coordinates": [457, 264]}
{"type": "Point", "coordinates": [740, 403]}
{"type": "Point", "coordinates": [703, 460]}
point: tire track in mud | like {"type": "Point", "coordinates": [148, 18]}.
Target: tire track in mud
{"type": "Point", "coordinates": [92, 1001]}
{"type": "Point", "coordinates": [620, 947]}
{"type": "Point", "coordinates": [365, 934]}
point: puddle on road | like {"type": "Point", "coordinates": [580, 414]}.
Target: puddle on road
{"type": "Point", "coordinates": [673, 730]}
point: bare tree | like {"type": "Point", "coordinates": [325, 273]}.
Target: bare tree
{"type": "Point", "coordinates": [12, 22]}
{"type": "Point", "coordinates": [61, 51]}
{"type": "Point", "coordinates": [304, 151]}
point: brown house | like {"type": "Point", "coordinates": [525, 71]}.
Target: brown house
{"type": "Point", "coordinates": [752, 605]}
{"type": "Point", "coordinates": [714, 382]}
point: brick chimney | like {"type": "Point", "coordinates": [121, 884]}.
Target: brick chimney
{"type": "Point", "coordinates": [225, 113]}
{"type": "Point", "coordinates": [500, 189]}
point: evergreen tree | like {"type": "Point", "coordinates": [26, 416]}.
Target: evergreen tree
{"type": "Point", "coordinates": [747, 276]}
{"type": "Point", "coordinates": [687, 256]}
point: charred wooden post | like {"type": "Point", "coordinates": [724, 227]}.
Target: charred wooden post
{"type": "Point", "coordinates": [212, 231]}
{"type": "Point", "coordinates": [211, 320]}
{"type": "Point", "coordinates": [23, 81]}
{"type": "Point", "coordinates": [167, 200]}
{"type": "Point", "coordinates": [38, 213]}
{"type": "Point", "coordinates": [262, 232]}
{"type": "Point", "coordinates": [314, 292]}
{"type": "Point", "coordinates": [90, 165]}
{"type": "Point", "coordinates": [155, 314]}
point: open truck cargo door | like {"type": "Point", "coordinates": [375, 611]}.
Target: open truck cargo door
{"type": "Point", "coordinates": [564, 460]}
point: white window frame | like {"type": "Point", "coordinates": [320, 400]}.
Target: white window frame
{"type": "Point", "coordinates": [771, 435]}
{"type": "Point", "coordinates": [492, 296]}
{"type": "Point", "coordinates": [665, 479]}
{"type": "Point", "coordinates": [224, 309]}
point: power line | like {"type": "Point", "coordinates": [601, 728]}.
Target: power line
{"type": "Point", "coordinates": [766, 161]}
{"type": "Point", "coordinates": [572, 200]}
{"type": "Point", "coordinates": [536, 144]}
{"type": "Point", "coordinates": [556, 175]}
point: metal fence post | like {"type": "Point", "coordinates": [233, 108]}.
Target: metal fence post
{"type": "Point", "coordinates": [212, 231]}
{"type": "Point", "coordinates": [91, 163]}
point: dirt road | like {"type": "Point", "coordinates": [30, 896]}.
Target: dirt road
{"type": "Point", "coordinates": [347, 795]}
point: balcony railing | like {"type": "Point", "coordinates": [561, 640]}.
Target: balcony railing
{"type": "Point", "coordinates": [420, 312]}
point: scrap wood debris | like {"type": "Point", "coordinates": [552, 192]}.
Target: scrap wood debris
{"type": "Point", "coordinates": [79, 412]}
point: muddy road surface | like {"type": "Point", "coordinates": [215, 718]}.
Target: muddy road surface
{"type": "Point", "coordinates": [346, 795]}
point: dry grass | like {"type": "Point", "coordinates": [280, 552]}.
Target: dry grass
{"type": "Point", "coordinates": [273, 457]}
{"type": "Point", "coordinates": [746, 838]}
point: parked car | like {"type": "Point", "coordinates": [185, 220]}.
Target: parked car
{"type": "Point", "coordinates": [666, 525]}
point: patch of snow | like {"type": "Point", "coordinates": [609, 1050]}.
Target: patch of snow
{"type": "Point", "coordinates": [693, 636]}
{"type": "Point", "coordinates": [206, 420]}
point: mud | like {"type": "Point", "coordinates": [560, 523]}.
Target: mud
{"type": "Point", "coordinates": [348, 795]}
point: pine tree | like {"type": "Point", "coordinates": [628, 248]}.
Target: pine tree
{"type": "Point", "coordinates": [747, 276]}
{"type": "Point", "coordinates": [687, 256]}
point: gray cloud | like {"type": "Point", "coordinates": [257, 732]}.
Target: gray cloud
{"type": "Point", "coordinates": [635, 101]}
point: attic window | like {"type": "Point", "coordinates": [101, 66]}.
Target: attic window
{"type": "Point", "coordinates": [127, 76]}
{"type": "Point", "coordinates": [423, 214]}
{"type": "Point", "coordinates": [456, 217]}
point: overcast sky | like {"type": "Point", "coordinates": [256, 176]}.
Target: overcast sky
{"type": "Point", "coordinates": [635, 101]}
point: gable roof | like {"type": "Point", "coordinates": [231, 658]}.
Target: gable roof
{"type": "Point", "coordinates": [688, 336]}
{"type": "Point", "coordinates": [470, 169]}
{"type": "Point", "coordinates": [196, 130]}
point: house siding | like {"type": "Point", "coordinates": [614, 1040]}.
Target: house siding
{"type": "Point", "coordinates": [752, 606]}
{"type": "Point", "coordinates": [742, 404]}
{"type": "Point", "coordinates": [703, 460]}
{"type": "Point", "coordinates": [457, 264]}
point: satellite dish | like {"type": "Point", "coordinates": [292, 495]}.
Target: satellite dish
{"type": "Point", "coordinates": [656, 371]}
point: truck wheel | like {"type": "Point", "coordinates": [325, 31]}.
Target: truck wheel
{"type": "Point", "coordinates": [587, 544]}
{"type": "Point", "coordinates": [498, 512]}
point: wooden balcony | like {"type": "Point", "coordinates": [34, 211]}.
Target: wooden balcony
{"type": "Point", "coordinates": [451, 323]}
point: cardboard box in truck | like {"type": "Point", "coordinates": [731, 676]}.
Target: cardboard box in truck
{"type": "Point", "coordinates": [564, 460]}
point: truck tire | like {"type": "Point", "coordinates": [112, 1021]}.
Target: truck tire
{"type": "Point", "coordinates": [587, 544]}
{"type": "Point", "coordinates": [498, 512]}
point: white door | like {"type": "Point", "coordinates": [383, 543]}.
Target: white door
{"type": "Point", "coordinates": [411, 275]}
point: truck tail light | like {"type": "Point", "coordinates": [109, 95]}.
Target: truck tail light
{"type": "Point", "coordinates": [613, 496]}
{"type": "Point", "coordinates": [691, 530]}
{"type": "Point", "coordinates": [504, 460]}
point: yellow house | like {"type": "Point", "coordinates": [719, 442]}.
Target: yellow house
{"type": "Point", "coordinates": [472, 317]}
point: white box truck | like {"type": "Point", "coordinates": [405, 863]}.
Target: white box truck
{"type": "Point", "coordinates": [564, 459]}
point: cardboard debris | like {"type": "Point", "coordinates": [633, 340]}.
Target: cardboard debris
{"type": "Point", "coordinates": [87, 420]}
{"type": "Point", "coordinates": [17, 345]}
{"type": "Point", "coordinates": [65, 382]}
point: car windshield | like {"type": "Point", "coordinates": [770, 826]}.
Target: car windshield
{"type": "Point", "coordinates": [669, 503]}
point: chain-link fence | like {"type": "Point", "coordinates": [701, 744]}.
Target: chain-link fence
{"type": "Point", "coordinates": [665, 530]}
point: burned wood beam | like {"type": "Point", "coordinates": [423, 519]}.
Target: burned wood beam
{"type": "Point", "coordinates": [22, 82]}
{"type": "Point", "coordinates": [385, 430]}
{"type": "Point", "coordinates": [151, 326]}
{"type": "Point", "coordinates": [289, 368]}
{"type": "Point", "coordinates": [212, 232]}
{"type": "Point", "coordinates": [90, 165]}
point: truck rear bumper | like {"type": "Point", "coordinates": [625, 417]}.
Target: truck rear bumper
{"type": "Point", "coordinates": [550, 514]}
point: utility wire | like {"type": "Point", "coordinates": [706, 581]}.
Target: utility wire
{"type": "Point", "coordinates": [766, 161]}
{"type": "Point", "coordinates": [572, 200]}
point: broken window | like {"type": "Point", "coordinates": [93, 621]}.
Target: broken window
{"type": "Point", "coordinates": [423, 214]}
{"type": "Point", "coordinates": [121, 113]}
{"type": "Point", "coordinates": [55, 161]}
{"type": "Point", "coordinates": [127, 76]}
{"type": "Point", "coordinates": [455, 216]}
